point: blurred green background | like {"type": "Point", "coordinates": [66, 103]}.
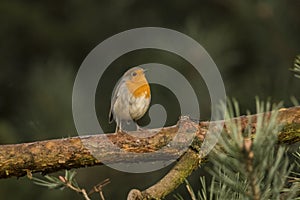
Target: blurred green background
{"type": "Point", "coordinates": [43, 44]}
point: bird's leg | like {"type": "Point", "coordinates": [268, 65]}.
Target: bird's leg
{"type": "Point", "coordinates": [118, 126]}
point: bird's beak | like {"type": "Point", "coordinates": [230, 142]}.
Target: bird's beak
{"type": "Point", "coordinates": [145, 70]}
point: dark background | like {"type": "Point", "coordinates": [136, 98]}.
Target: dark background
{"type": "Point", "coordinates": [43, 44]}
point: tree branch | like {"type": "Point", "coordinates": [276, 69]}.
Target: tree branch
{"type": "Point", "coordinates": [53, 155]}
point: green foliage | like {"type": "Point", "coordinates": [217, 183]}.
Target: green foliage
{"type": "Point", "coordinates": [296, 67]}
{"type": "Point", "coordinates": [250, 166]}
{"type": "Point", "coordinates": [52, 182]}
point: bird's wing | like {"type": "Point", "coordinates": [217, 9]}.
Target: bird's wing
{"type": "Point", "coordinates": [116, 94]}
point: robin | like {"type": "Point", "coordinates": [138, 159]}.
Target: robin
{"type": "Point", "coordinates": [131, 98]}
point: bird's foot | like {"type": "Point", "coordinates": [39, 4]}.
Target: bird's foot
{"type": "Point", "coordinates": [138, 128]}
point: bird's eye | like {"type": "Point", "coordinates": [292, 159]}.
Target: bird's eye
{"type": "Point", "coordinates": [133, 74]}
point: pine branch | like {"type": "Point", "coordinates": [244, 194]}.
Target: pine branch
{"type": "Point", "coordinates": [288, 118]}
{"type": "Point", "coordinates": [250, 165]}
{"type": "Point", "coordinates": [296, 67]}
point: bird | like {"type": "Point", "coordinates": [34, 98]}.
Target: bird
{"type": "Point", "coordinates": [130, 99]}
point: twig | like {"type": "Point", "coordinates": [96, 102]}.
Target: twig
{"type": "Point", "coordinates": [98, 188]}
{"type": "Point", "coordinates": [76, 189]}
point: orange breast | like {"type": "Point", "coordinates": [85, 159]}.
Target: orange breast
{"type": "Point", "coordinates": [139, 89]}
{"type": "Point", "coordinates": [142, 90]}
